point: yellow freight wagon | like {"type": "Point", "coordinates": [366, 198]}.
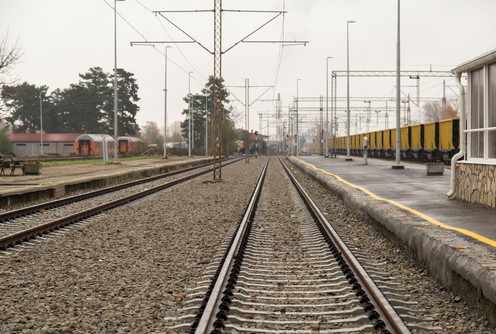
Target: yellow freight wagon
{"type": "Point", "coordinates": [448, 134]}
{"type": "Point", "coordinates": [387, 139]}
{"type": "Point", "coordinates": [417, 132]}
{"type": "Point", "coordinates": [430, 136]}
{"type": "Point", "coordinates": [405, 138]}
{"type": "Point", "coordinates": [393, 139]}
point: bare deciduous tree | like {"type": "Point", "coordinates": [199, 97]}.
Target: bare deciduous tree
{"type": "Point", "coordinates": [174, 132]}
{"type": "Point", "coordinates": [433, 112]}
{"type": "Point", "coordinates": [9, 56]}
{"type": "Point", "coordinates": [150, 133]}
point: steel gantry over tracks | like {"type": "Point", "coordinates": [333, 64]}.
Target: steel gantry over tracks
{"type": "Point", "coordinates": [217, 52]}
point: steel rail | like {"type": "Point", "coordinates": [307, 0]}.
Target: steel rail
{"type": "Point", "coordinates": [391, 320]}
{"type": "Point", "coordinates": [208, 321]}
{"type": "Point", "coordinates": [72, 199]}
{"type": "Point", "coordinates": [15, 238]}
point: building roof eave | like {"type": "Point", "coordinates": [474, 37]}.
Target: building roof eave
{"type": "Point", "coordinates": [476, 63]}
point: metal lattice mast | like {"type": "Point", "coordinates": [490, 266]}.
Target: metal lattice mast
{"type": "Point", "coordinates": [217, 94]}
{"type": "Point", "coordinates": [218, 110]}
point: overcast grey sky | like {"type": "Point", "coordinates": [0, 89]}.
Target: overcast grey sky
{"type": "Point", "coordinates": [62, 38]}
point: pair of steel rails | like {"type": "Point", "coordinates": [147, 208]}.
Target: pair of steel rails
{"type": "Point", "coordinates": [28, 234]}
{"type": "Point", "coordinates": [214, 311]}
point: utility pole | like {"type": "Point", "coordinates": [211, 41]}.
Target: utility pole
{"type": "Point", "coordinates": [41, 123]}
{"type": "Point", "coordinates": [397, 164]}
{"type": "Point", "coordinates": [206, 125]}
{"type": "Point", "coordinates": [443, 101]}
{"type": "Point", "coordinates": [279, 131]}
{"type": "Point", "coordinates": [408, 112]}
{"type": "Point", "coordinates": [152, 44]}
{"type": "Point", "coordinates": [247, 117]}
{"type": "Point", "coordinates": [368, 115]}
{"type": "Point", "coordinates": [190, 121]}
{"type": "Point", "coordinates": [116, 132]}
{"type": "Point", "coordinates": [348, 138]}
{"type": "Point", "coordinates": [417, 77]}
{"type": "Point", "coordinates": [297, 135]}
{"type": "Point", "coordinates": [326, 142]}
{"type": "Point", "coordinates": [290, 129]}
{"type": "Point", "coordinates": [386, 117]}
{"type": "Point", "coordinates": [334, 88]}
{"type": "Point", "coordinates": [217, 110]}
{"type": "Point", "coordinates": [247, 105]}
{"type": "Point", "coordinates": [321, 128]}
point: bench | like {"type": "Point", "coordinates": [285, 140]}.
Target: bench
{"type": "Point", "coordinates": [7, 163]}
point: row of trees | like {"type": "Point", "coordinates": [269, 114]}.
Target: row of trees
{"type": "Point", "coordinates": [201, 107]}
{"type": "Point", "coordinates": [87, 106]}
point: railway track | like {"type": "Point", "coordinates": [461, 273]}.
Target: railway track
{"type": "Point", "coordinates": [24, 224]}
{"type": "Point", "coordinates": [289, 275]}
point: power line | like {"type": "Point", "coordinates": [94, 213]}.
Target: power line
{"type": "Point", "coordinates": [177, 47]}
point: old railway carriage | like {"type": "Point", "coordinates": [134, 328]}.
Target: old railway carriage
{"type": "Point", "coordinates": [92, 144]}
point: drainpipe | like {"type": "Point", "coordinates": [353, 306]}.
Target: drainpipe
{"type": "Point", "coordinates": [460, 154]}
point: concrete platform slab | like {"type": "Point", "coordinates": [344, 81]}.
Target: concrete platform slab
{"type": "Point", "coordinates": [57, 181]}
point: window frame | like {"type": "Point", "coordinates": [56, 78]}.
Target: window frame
{"type": "Point", "coordinates": [485, 114]}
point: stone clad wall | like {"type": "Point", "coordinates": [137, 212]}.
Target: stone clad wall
{"type": "Point", "coordinates": [476, 183]}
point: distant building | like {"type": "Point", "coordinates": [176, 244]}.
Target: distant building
{"type": "Point", "coordinates": [54, 144]}
{"type": "Point", "coordinates": [476, 174]}
{"type": "Point", "coordinates": [177, 144]}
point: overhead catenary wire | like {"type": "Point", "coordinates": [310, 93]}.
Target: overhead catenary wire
{"type": "Point", "coordinates": [281, 49]}
{"type": "Point", "coordinates": [176, 46]}
{"type": "Point", "coordinates": [199, 74]}
{"type": "Point", "coordinates": [147, 40]}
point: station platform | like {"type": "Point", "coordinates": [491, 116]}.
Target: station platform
{"type": "Point", "coordinates": [62, 180]}
{"type": "Point", "coordinates": [455, 240]}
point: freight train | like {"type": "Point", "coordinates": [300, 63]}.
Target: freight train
{"type": "Point", "coordinates": [434, 141]}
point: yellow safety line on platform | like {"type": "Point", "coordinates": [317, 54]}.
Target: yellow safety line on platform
{"type": "Point", "coordinates": [404, 207]}
{"type": "Point", "coordinates": [58, 182]}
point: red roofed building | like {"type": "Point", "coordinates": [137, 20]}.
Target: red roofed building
{"type": "Point", "coordinates": [55, 144]}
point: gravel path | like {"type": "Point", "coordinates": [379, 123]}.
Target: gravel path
{"type": "Point", "coordinates": [130, 269]}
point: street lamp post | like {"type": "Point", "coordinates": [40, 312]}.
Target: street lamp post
{"type": "Point", "coordinates": [116, 133]}
{"type": "Point", "coordinates": [206, 125]}
{"type": "Point", "coordinates": [367, 124]}
{"type": "Point", "coordinates": [165, 104]}
{"type": "Point", "coordinates": [165, 89]}
{"type": "Point", "coordinates": [327, 110]}
{"type": "Point", "coordinates": [297, 136]}
{"type": "Point", "coordinates": [334, 118]}
{"type": "Point", "coordinates": [377, 118]}
{"type": "Point", "coordinates": [397, 164]}
{"type": "Point", "coordinates": [41, 123]}
{"type": "Point", "coordinates": [189, 114]}
{"type": "Point", "coordinates": [348, 138]}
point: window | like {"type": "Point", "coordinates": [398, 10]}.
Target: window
{"type": "Point", "coordinates": [482, 119]}
{"type": "Point", "coordinates": [492, 111]}
{"type": "Point", "coordinates": [477, 113]}
{"type": "Point", "coordinates": [20, 144]}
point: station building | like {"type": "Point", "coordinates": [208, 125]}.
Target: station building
{"type": "Point", "coordinates": [475, 177]}
{"type": "Point", "coordinates": [54, 144]}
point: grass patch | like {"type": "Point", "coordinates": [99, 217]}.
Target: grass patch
{"type": "Point", "coordinates": [98, 160]}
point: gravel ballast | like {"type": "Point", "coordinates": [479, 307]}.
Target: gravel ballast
{"type": "Point", "coordinates": [449, 312]}
{"type": "Point", "coordinates": [127, 271]}
{"type": "Point", "coordinates": [132, 268]}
